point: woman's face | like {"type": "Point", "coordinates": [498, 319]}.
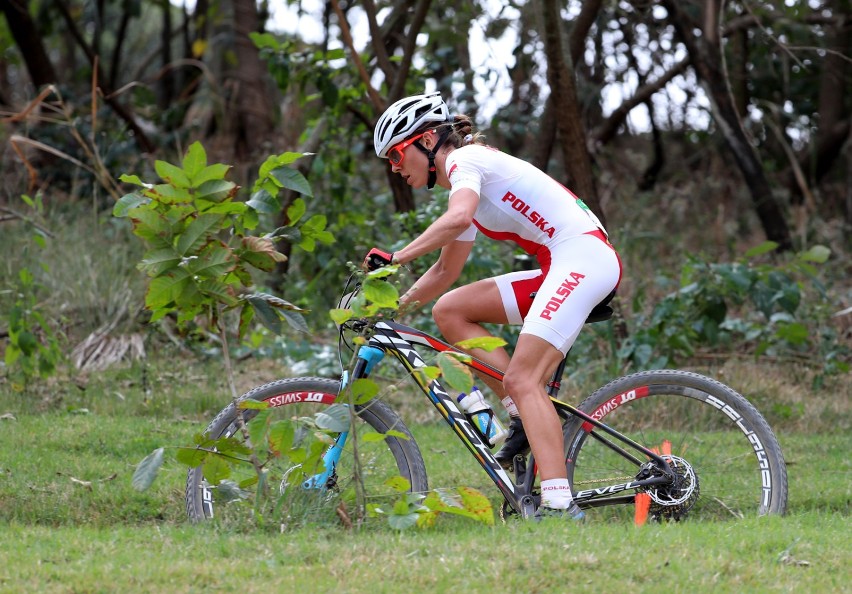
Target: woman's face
{"type": "Point", "coordinates": [414, 167]}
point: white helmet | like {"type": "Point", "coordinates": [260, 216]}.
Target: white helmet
{"type": "Point", "coordinates": [405, 117]}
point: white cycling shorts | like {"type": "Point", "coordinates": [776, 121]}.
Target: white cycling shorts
{"type": "Point", "coordinates": [583, 271]}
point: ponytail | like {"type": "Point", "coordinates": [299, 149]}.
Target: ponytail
{"type": "Point", "coordinates": [463, 132]}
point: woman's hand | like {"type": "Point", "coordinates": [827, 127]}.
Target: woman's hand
{"type": "Point", "coordinates": [376, 259]}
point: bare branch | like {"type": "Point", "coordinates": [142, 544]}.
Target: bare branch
{"type": "Point", "coordinates": [584, 22]}
{"type": "Point", "coordinates": [410, 45]}
{"type": "Point", "coordinates": [121, 111]}
{"type": "Point", "coordinates": [607, 130]}
{"type": "Point", "coordinates": [378, 41]}
{"type": "Point", "coordinates": [377, 101]}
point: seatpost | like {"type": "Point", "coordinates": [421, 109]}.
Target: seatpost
{"type": "Point", "coordinates": [556, 381]}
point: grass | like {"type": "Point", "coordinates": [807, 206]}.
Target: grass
{"type": "Point", "coordinates": [795, 553]}
{"type": "Point", "coordinates": [72, 523]}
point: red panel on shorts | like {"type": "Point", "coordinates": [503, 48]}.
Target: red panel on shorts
{"type": "Point", "coordinates": [523, 289]}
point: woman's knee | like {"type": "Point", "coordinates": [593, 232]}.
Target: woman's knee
{"type": "Point", "coordinates": [518, 383]}
{"type": "Point", "coordinates": [446, 311]}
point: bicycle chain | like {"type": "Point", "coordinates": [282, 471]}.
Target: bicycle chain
{"type": "Point", "coordinates": [604, 480]}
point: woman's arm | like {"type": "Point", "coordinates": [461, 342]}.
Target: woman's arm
{"type": "Point", "coordinates": [445, 229]}
{"type": "Point", "coordinates": [441, 275]}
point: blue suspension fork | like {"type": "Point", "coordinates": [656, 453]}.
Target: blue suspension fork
{"type": "Point", "coordinates": [368, 357]}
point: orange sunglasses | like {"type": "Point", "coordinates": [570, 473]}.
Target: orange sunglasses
{"type": "Point", "coordinates": [396, 155]}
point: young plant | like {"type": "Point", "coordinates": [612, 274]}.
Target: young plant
{"type": "Point", "coordinates": [378, 296]}
{"type": "Point", "coordinates": [745, 303]}
{"type": "Point", "coordinates": [33, 348]}
{"type": "Point", "coordinates": [201, 253]}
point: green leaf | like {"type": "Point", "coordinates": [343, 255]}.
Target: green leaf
{"type": "Point", "coordinates": [372, 437]}
{"type": "Point", "coordinates": [335, 54]}
{"type": "Point", "coordinates": [194, 161]}
{"type": "Point", "coordinates": [478, 504]}
{"type": "Point", "coordinates": [169, 194]}
{"type": "Point", "coordinates": [27, 343]}
{"type": "Point", "coordinates": [231, 446]}
{"type": "Point", "coordinates": [402, 521]}
{"type": "Point", "coordinates": [427, 374]}
{"type": "Point", "coordinates": [281, 434]}
{"type": "Point", "coordinates": [216, 190]}
{"type": "Point", "coordinates": [383, 272]}
{"type": "Point", "coordinates": [339, 316]}
{"type": "Point", "coordinates": [147, 470]}
{"type": "Point", "coordinates": [364, 390]}
{"type": "Point", "coordinates": [215, 290]}
{"type": "Point", "coordinates": [227, 491]}
{"type": "Point", "coordinates": [763, 248]}
{"type": "Point", "coordinates": [457, 375]}
{"type": "Point", "coordinates": [314, 225]}
{"type": "Point", "coordinates": [260, 252]}
{"type": "Point", "coordinates": [292, 180]}
{"type": "Point", "coordinates": [296, 321]}
{"type": "Point", "coordinates": [307, 244]}
{"type": "Point", "coordinates": [211, 172]}
{"type": "Point", "coordinates": [150, 226]}
{"type": "Point", "coordinates": [215, 469]}
{"type": "Point", "coordinates": [159, 261]}
{"type": "Point", "coordinates": [794, 333]}
{"type": "Point", "coordinates": [398, 483]}
{"type": "Point", "coordinates": [486, 343]}
{"type": "Point", "coordinates": [324, 237]}
{"type": "Point", "coordinates": [172, 174]}
{"type": "Point", "coordinates": [165, 289]}
{"type": "Point", "coordinates": [335, 418]}
{"type": "Point", "coordinates": [191, 457]}
{"type": "Point", "coordinates": [133, 179]}
{"type": "Point", "coordinates": [263, 201]}
{"type": "Point", "coordinates": [274, 161]}
{"type": "Point", "coordinates": [264, 40]}
{"type": "Point", "coordinates": [818, 254]}
{"type": "Point", "coordinates": [295, 211]}
{"type": "Point", "coordinates": [214, 262]}
{"type": "Point", "coordinates": [253, 404]}
{"type": "Point", "coordinates": [197, 233]}
{"type": "Point", "coordinates": [380, 292]}
{"type": "Point", "coordinates": [257, 427]}
{"type": "Point", "coordinates": [266, 314]}
{"type": "Point", "coordinates": [127, 203]}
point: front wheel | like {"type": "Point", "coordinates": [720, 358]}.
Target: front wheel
{"type": "Point", "coordinates": [728, 461]}
{"type": "Point", "coordinates": [300, 491]}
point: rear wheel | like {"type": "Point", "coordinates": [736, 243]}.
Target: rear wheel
{"type": "Point", "coordinates": [727, 459]}
{"type": "Point", "coordinates": [296, 493]}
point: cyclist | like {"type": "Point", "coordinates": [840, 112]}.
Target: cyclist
{"type": "Point", "coordinates": [506, 199]}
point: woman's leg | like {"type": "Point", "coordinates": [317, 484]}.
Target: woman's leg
{"type": "Point", "coordinates": [532, 365]}
{"type": "Point", "coordinates": [460, 315]}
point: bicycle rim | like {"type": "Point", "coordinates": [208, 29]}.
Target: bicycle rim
{"type": "Point", "coordinates": [296, 494]}
{"type": "Point", "coordinates": [728, 460]}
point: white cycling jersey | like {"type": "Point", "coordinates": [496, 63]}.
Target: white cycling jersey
{"type": "Point", "coordinates": [518, 202]}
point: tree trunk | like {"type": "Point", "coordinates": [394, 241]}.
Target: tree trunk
{"type": "Point", "coordinates": [29, 41]}
{"type": "Point", "coordinates": [572, 135]}
{"type": "Point", "coordinates": [165, 86]}
{"type": "Point", "coordinates": [706, 57]}
{"type": "Point", "coordinates": [834, 94]}
{"type": "Point", "coordinates": [384, 39]}
{"type": "Point", "coordinates": [250, 111]}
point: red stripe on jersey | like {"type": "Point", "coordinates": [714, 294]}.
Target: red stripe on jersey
{"type": "Point", "coordinates": [541, 253]}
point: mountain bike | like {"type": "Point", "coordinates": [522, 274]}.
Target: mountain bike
{"type": "Point", "coordinates": [688, 445]}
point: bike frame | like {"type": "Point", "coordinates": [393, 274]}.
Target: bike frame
{"type": "Point", "coordinates": [400, 340]}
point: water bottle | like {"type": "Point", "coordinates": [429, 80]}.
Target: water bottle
{"type": "Point", "coordinates": [482, 417]}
